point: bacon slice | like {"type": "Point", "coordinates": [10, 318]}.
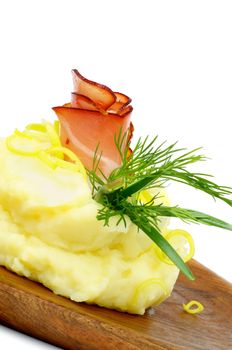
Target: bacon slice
{"type": "Point", "coordinates": [94, 117]}
{"type": "Point", "coordinates": [84, 102]}
{"type": "Point", "coordinates": [83, 130]}
{"type": "Point", "coordinates": [121, 104]}
{"type": "Point", "coordinates": [98, 93]}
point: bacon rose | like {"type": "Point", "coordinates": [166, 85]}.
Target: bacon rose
{"type": "Point", "coordinates": [94, 117]}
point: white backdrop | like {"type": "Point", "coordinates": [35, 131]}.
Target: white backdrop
{"type": "Point", "coordinates": [174, 58]}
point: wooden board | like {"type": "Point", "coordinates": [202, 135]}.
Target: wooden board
{"type": "Point", "coordinates": [33, 309]}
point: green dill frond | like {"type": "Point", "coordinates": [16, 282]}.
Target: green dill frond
{"type": "Point", "coordinates": [151, 166]}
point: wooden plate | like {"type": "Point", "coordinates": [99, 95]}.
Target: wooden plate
{"type": "Point", "coordinates": [31, 308]}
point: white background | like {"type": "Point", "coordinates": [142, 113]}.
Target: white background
{"type": "Point", "coordinates": [174, 58]}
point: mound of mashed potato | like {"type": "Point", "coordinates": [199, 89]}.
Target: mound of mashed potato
{"type": "Point", "coordinates": [49, 233]}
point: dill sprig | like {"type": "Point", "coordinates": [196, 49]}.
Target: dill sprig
{"type": "Point", "coordinates": [151, 166]}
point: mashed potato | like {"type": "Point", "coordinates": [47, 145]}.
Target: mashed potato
{"type": "Point", "coordinates": [50, 234]}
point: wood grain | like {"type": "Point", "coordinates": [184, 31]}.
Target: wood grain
{"type": "Point", "coordinates": [30, 308]}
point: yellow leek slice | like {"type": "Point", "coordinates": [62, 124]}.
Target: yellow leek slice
{"type": "Point", "coordinates": [36, 127]}
{"type": "Point", "coordinates": [140, 289]}
{"type": "Point", "coordinates": [51, 157]}
{"type": "Point", "coordinates": [175, 233]}
{"type": "Point", "coordinates": [22, 144]}
{"type": "Point", "coordinates": [193, 307]}
{"type": "Point", "coordinates": [37, 131]}
{"type": "Point", "coordinates": [145, 196]}
{"type": "Point", "coordinates": [52, 134]}
{"type": "Point", "coordinates": [57, 126]}
{"type": "Point", "coordinates": [43, 141]}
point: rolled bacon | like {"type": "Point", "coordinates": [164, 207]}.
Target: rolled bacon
{"type": "Point", "coordinates": [95, 116]}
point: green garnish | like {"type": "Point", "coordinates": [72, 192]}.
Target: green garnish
{"type": "Point", "coordinates": [150, 166]}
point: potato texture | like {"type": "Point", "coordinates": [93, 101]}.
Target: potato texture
{"type": "Point", "coordinates": [49, 233]}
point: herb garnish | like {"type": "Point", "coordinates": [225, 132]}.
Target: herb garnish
{"type": "Point", "coordinates": [150, 166]}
